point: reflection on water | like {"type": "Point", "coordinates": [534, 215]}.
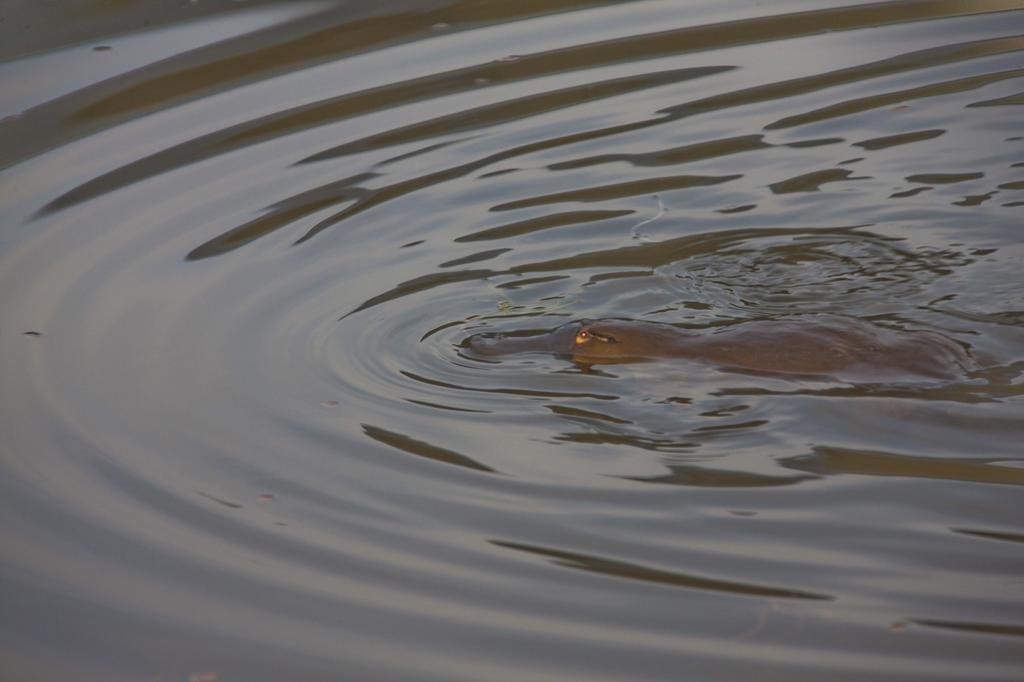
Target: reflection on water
{"type": "Point", "coordinates": [839, 461]}
{"type": "Point", "coordinates": [245, 436]}
{"type": "Point", "coordinates": [633, 572]}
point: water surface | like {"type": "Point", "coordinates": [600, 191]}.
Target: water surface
{"type": "Point", "coordinates": [241, 249]}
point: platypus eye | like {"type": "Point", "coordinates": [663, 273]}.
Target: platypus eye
{"type": "Point", "coordinates": [585, 335]}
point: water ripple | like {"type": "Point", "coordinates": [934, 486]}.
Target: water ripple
{"type": "Point", "coordinates": [245, 435]}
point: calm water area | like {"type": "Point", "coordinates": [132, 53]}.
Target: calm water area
{"type": "Point", "coordinates": [243, 248]}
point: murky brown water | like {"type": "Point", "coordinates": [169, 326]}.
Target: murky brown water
{"type": "Point", "coordinates": [242, 245]}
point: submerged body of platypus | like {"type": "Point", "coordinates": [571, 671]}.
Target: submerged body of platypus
{"type": "Point", "coordinates": [829, 345]}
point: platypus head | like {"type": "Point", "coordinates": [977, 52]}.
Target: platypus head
{"type": "Point", "coordinates": [596, 339]}
{"type": "Point", "coordinates": [586, 342]}
{"type": "Point", "coordinates": [615, 341]}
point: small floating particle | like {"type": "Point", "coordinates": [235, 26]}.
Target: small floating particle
{"type": "Point", "coordinates": [481, 81]}
{"type": "Point", "coordinates": [330, 403]}
{"type": "Point", "coordinates": [508, 59]}
{"type": "Point", "coordinates": [31, 333]}
{"type": "Point", "coordinates": [900, 107]}
{"type": "Point", "coordinates": [266, 497]}
{"type": "Point", "coordinates": [102, 48]}
{"type": "Point", "coordinates": [202, 677]}
{"type": "Point", "coordinates": [898, 626]}
{"type": "Point", "coordinates": [440, 26]}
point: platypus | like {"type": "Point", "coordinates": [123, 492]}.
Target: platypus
{"type": "Point", "coordinates": [830, 345]}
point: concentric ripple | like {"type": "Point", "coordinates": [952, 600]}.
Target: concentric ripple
{"type": "Point", "coordinates": [243, 436]}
